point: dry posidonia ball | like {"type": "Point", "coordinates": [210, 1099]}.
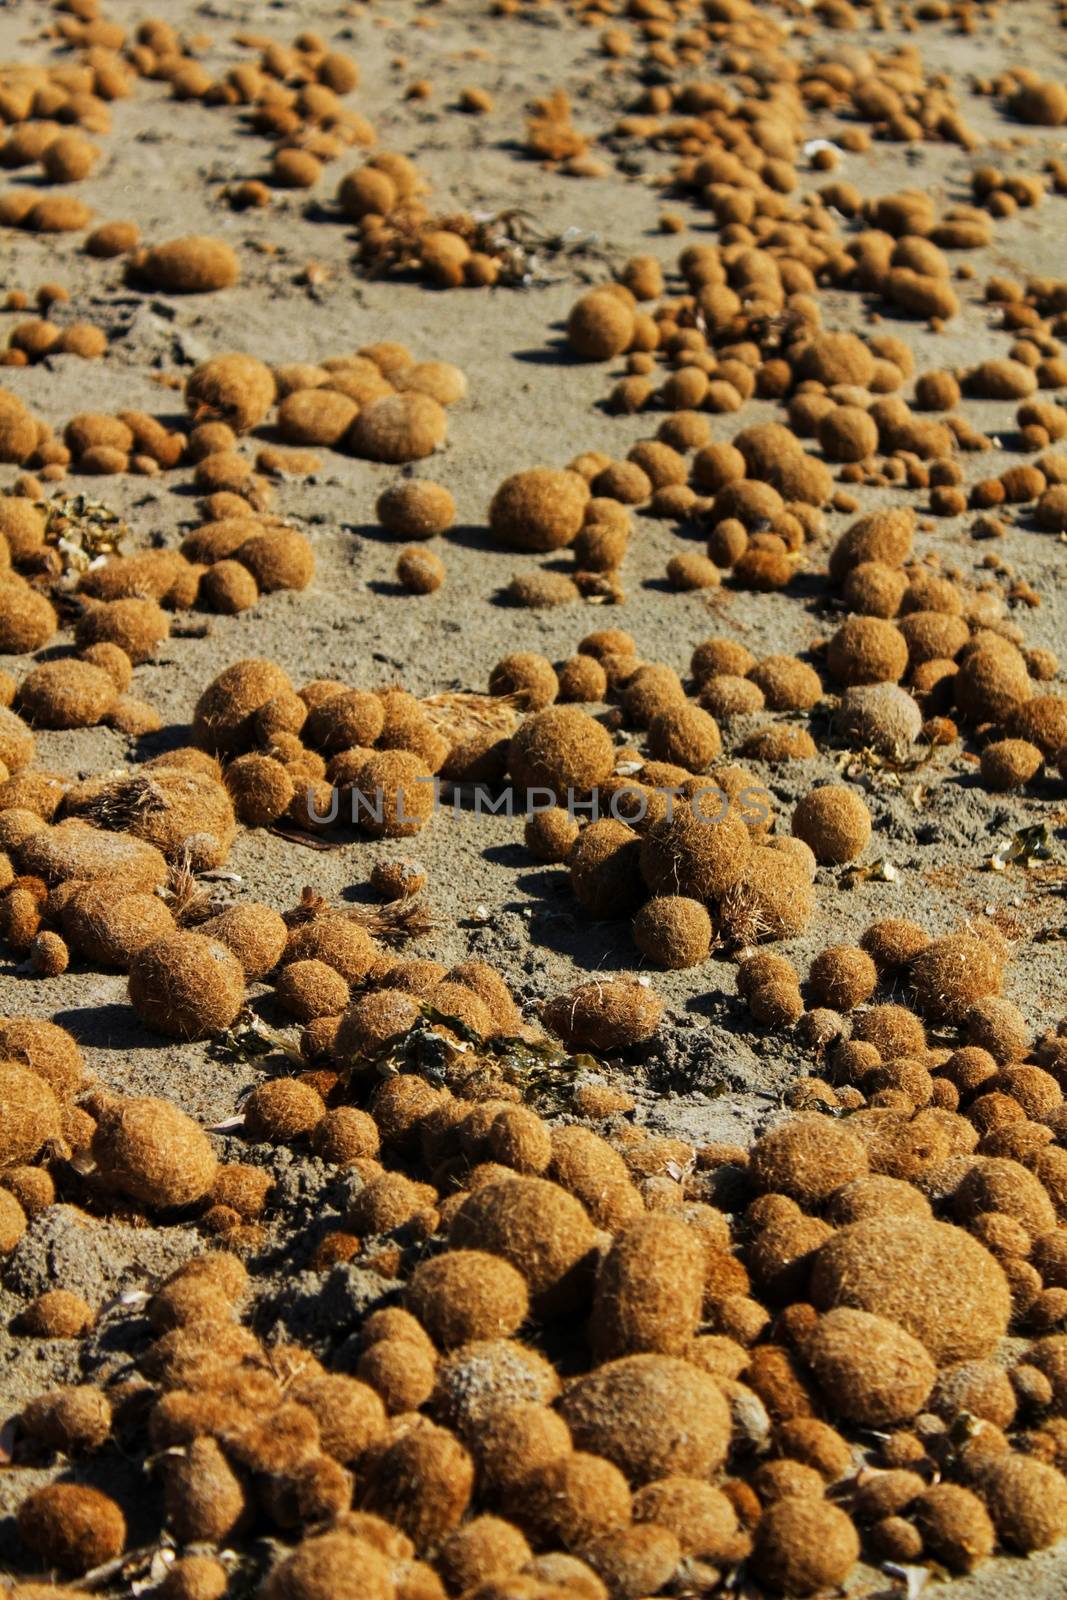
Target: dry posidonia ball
{"type": "Point", "coordinates": [952, 1296]}
{"type": "Point", "coordinates": [541, 1230]}
{"type": "Point", "coordinates": [600, 325]}
{"type": "Point", "coordinates": [332, 1563]}
{"type": "Point", "coordinates": [236, 389]}
{"type": "Point", "coordinates": [875, 1372]}
{"type": "Point", "coordinates": [152, 1152]}
{"type": "Point", "coordinates": [803, 1546]}
{"type": "Point", "coordinates": [282, 1109]}
{"type": "Point", "coordinates": [186, 986]}
{"type": "Point", "coordinates": [949, 975]}
{"type": "Point", "coordinates": [72, 1420]}
{"type": "Point", "coordinates": [398, 428]}
{"type": "Point", "coordinates": [421, 1482]}
{"type": "Point", "coordinates": [611, 1015]}
{"type": "Point", "coordinates": [559, 749]}
{"type": "Point", "coordinates": [651, 1416]}
{"type": "Point", "coordinates": [807, 1159]}
{"type": "Point", "coordinates": [57, 1314]}
{"type": "Point", "coordinates": [467, 1294]}
{"type": "Point", "coordinates": [191, 265]}
{"type": "Point", "coordinates": [673, 931]}
{"type": "Point", "coordinates": [539, 510]}
{"type": "Point", "coordinates": [66, 694]}
{"type": "Point", "coordinates": [649, 1289]}
{"type": "Point", "coordinates": [419, 571]}
{"type": "Point", "coordinates": [416, 509]}
{"type": "Point", "coordinates": [834, 822]}
{"type": "Point", "coordinates": [31, 1113]}
{"type": "Point", "coordinates": [71, 1526]}
{"type": "Point", "coordinates": [223, 715]}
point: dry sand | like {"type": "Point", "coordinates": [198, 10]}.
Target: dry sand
{"type": "Point", "coordinates": [709, 1075]}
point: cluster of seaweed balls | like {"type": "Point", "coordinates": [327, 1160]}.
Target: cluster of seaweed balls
{"type": "Point", "coordinates": [775, 1359]}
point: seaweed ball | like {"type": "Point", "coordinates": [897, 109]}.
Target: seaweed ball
{"type": "Point", "coordinates": [191, 265]}
{"type": "Point", "coordinates": [875, 1372]}
{"type": "Point", "coordinates": [701, 856]}
{"type": "Point", "coordinates": [278, 558]}
{"type": "Point", "coordinates": [560, 749]}
{"type": "Point", "coordinates": [66, 694]}
{"type": "Point", "coordinates": [398, 428]}
{"type": "Point", "coordinates": [1026, 1499]}
{"type": "Point", "coordinates": [236, 389]}
{"type": "Point", "coordinates": [526, 676]}
{"type": "Point", "coordinates": [948, 975]}
{"type": "Point", "coordinates": [339, 942]}
{"type": "Point", "coordinates": [541, 509]}
{"type": "Point", "coordinates": [71, 1526]}
{"type": "Point", "coordinates": [22, 523]}
{"type": "Point", "coordinates": [892, 942]}
{"type": "Point", "coordinates": [254, 933]}
{"type": "Point", "coordinates": [138, 627]}
{"type": "Point", "coordinates": [685, 735]}
{"type": "Point", "coordinates": [612, 1015]}
{"type": "Point", "coordinates": [186, 986]}
{"type": "Point", "coordinates": [13, 1221]}
{"type": "Point", "coordinates": [261, 789]}
{"type": "Point", "coordinates": [787, 684]}
{"type": "Point", "coordinates": [419, 571]}
{"type": "Point", "coordinates": [541, 1230]}
{"type": "Point", "coordinates": [874, 589]}
{"type": "Point", "coordinates": [31, 1113]}
{"type": "Point", "coordinates": [884, 536]}
{"type": "Point", "coordinates": [421, 1482]}
{"type": "Point", "coordinates": [334, 1563]}
{"type": "Point", "coordinates": [221, 720]}
{"type": "Point", "coordinates": [309, 989]}
{"type": "Point", "coordinates": [803, 1546]}
{"type": "Point", "coordinates": [843, 976]}
{"type": "Point", "coordinates": [415, 508]}
{"type": "Point", "coordinates": [467, 1294]}
{"type": "Point", "coordinates": [1043, 721]}
{"type": "Point", "coordinates": [27, 618]}
{"type": "Point", "coordinates": [933, 1279]}
{"type": "Point", "coordinates": [881, 716]}
{"type": "Point", "coordinates": [673, 931]}
{"type": "Point", "coordinates": [1008, 1188]}
{"type": "Point", "coordinates": [581, 680]}
{"type": "Point", "coordinates": [281, 1110]}
{"type": "Point", "coordinates": [807, 1159]}
{"type": "Point", "coordinates": [634, 1561]}
{"type": "Point", "coordinates": [991, 683]}
{"type": "Point", "coordinates": [600, 326]}
{"type": "Point", "coordinates": [150, 1151]}
{"type": "Point", "coordinates": [551, 834]}
{"type": "Point", "coordinates": [1010, 764]}
{"type": "Point", "coordinates": [483, 1551]}
{"type": "Point", "coordinates": [74, 1419]}
{"type": "Point", "coordinates": [727, 696]}
{"type": "Point", "coordinates": [344, 1135]}
{"type": "Point", "coordinates": [834, 822]}
{"type": "Point", "coordinates": [848, 433]}
{"type": "Point", "coordinates": [375, 1022]}
{"type": "Point", "coordinates": [194, 1578]}
{"type": "Point", "coordinates": [651, 1416]}
{"type": "Point", "coordinates": [867, 650]}
{"type": "Point", "coordinates": [701, 1516]}
{"type": "Point", "coordinates": [998, 1026]}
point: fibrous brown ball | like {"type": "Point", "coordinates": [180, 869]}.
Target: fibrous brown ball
{"type": "Point", "coordinates": [834, 822]}
{"type": "Point", "coordinates": [236, 389]}
{"type": "Point", "coordinates": [71, 1526]}
{"type": "Point", "coordinates": [673, 931]}
{"type": "Point", "coordinates": [932, 1278]}
{"type": "Point", "coordinates": [416, 509]}
{"type": "Point", "coordinates": [192, 265]}
{"type": "Point", "coordinates": [540, 1229]}
{"type": "Point", "coordinates": [186, 985]}
{"type": "Point", "coordinates": [949, 975]}
{"type": "Point", "coordinates": [540, 509]}
{"type": "Point", "coordinates": [467, 1294]}
{"type": "Point", "coordinates": [561, 749]}
{"type": "Point", "coordinates": [152, 1152]}
{"type": "Point", "coordinates": [803, 1546]}
{"type": "Point", "coordinates": [873, 1371]}
{"type": "Point", "coordinates": [652, 1416]}
{"type": "Point", "coordinates": [610, 1015]}
{"type": "Point", "coordinates": [808, 1159]}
